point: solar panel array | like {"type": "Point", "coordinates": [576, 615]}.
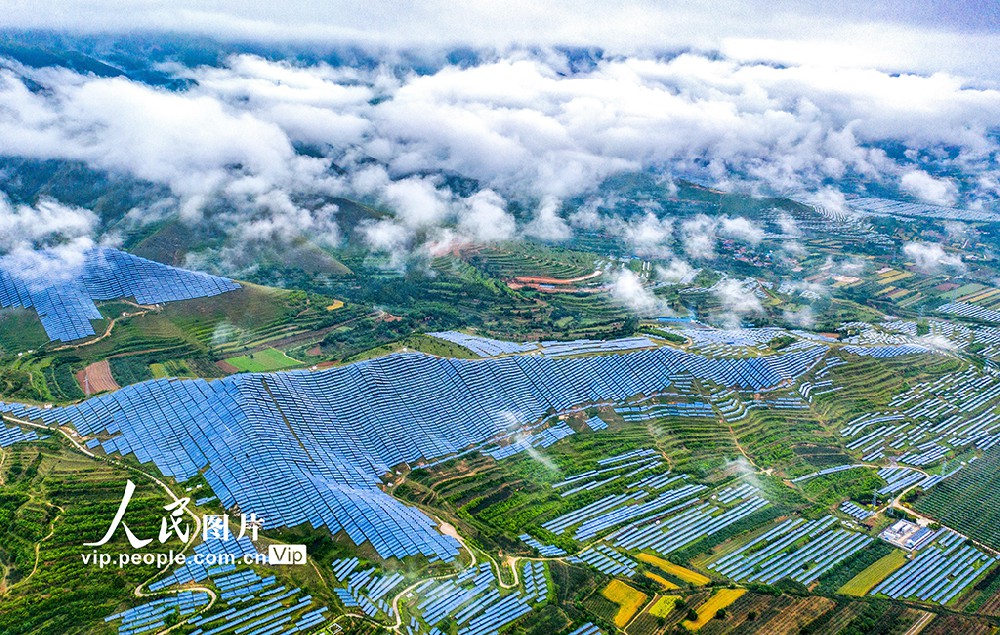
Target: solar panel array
{"type": "Point", "coordinates": [587, 629]}
{"type": "Point", "coordinates": [10, 436]}
{"type": "Point", "coordinates": [310, 447]}
{"type": "Point", "coordinates": [364, 588]}
{"type": "Point", "coordinates": [886, 351]}
{"type": "Point", "coordinates": [685, 523]}
{"type": "Point", "coordinates": [633, 464]}
{"type": "Point", "coordinates": [596, 423]}
{"type": "Point", "coordinates": [922, 425]}
{"type": "Point", "coordinates": [583, 347]}
{"type": "Point", "coordinates": [865, 333]}
{"type": "Point", "coordinates": [606, 560]}
{"type": "Point", "coordinates": [548, 551]}
{"type": "Point", "coordinates": [624, 512]}
{"type": "Point", "coordinates": [543, 439]}
{"type": "Point", "coordinates": [66, 303]}
{"type": "Point", "coordinates": [964, 309]}
{"type": "Point", "coordinates": [152, 616]}
{"type": "Point", "coordinates": [898, 479]}
{"type": "Point", "coordinates": [904, 209]}
{"type": "Point", "coordinates": [484, 346]}
{"type": "Point", "coordinates": [472, 600]}
{"type": "Point", "coordinates": [729, 342]}
{"type": "Point", "coordinates": [825, 471]}
{"type": "Point", "coordinates": [248, 603]}
{"type": "Point", "coordinates": [856, 511]}
{"type": "Point", "coordinates": [939, 572]}
{"type": "Point", "coordinates": [489, 347]}
{"type": "Point", "coordinates": [795, 549]}
{"type": "Point", "coordinates": [536, 586]}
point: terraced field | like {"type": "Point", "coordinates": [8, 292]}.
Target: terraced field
{"type": "Point", "coordinates": [968, 501]}
{"type": "Point", "coordinates": [879, 570]}
{"type": "Point", "coordinates": [55, 500]}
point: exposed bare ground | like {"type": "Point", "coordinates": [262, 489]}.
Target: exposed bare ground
{"type": "Point", "coordinates": [226, 367]}
{"type": "Point", "coordinates": [97, 378]}
{"type": "Point", "coordinates": [544, 280]}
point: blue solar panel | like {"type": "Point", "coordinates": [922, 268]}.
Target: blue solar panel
{"type": "Point", "coordinates": [311, 447]}
{"type": "Point", "coordinates": [65, 305]}
{"type": "Point", "coordinates": [12, 435]}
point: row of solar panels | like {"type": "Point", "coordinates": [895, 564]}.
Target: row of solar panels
{"type": "Point", "coordinates": [310, 447]}
{"type": "Point", "coordinates": [64, 297]}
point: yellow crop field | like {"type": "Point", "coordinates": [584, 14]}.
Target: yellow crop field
{"type": "Point", "coordinates": [336, 305]}
{"type": "Point", "coordinates": [879, 570]}
{"type": "Point", "coordinates": [893, 276]}
{"type": "Point", "coordinates": [664, 606]}
{"type": "Point", "coordinates": [628, 600]}
{"type": "Point", "coordinates": [722, 599]}
{"type": "Point", "coordinates": [659, 579]}
{"type": "Point", "coordinates": [979, 297]}
{"type": "Point", "coordinates": [689, 576]}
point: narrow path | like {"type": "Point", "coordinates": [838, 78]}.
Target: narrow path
{"type": "Point", "coordinates": [107, 331]}
{"type": "Point", "coordinates": [739, 447]}
{"type": "Point", "coordinates": [69, 435]}
{"type": "Point", "coordinates": [213, 599]}
{"type": "Point", "coordinates": [920, 624]}
{"type": "Point", "coordinates": [38, 547]}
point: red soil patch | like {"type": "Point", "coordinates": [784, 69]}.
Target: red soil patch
{"type": "Point", "coordinates": [97, 378]}
{"type": "Point", "coordinates": [226, 367]}
{"type": "Point", "coordinates": [528, 280]}
{"type": "Point", "coordinates": [547, 288]}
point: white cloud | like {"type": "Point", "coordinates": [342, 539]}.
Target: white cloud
{"type": "Point", "coordinates": [794, 248]}
{"type": "Point", "coordinates": [485, 218]}
{"type": "Point", "coordinates": [58, 263]}
{"type": "Point", "coordinates": [740, 228]}
{"type": "Point", "coordinates": [526, 126]}
{"type": "Point", "coordinates": [390, 237]}
{"type": "Point", "coordinates": [832, 201]}
{"type": "Point", "coordinates": [46, 224]}
{"type": "Point", "coordinates": [894, 35]}
{"type": "Point", "coordinates": [628, 291]}
{"type": "Point", "coordinates": [737, 301]}
{"type": "Point", "coordinates": [698, 237]}
{"type": "Point", "coordinates": [416, 202]}
{"type": "Point", "coordinates": [931, 258]}
{"type": "Point", "coordinates": [648, 235]}
{"type": "Point", "coordinates": [956, 230]}
{"type": "Point", "coordinates": [804, 317]}
{"type": "Point", "coordinates": [788, 225]}
{"type": "Point", "coordinates": [851, 266]}
{"type": "Point", "coordinates": [845, 267]}
{"type": "Point", "coordinates": [929, 189]}
{"type": "Point", "coordinates": [699, 234]}
{"type": "Point", "coordinates": [676, 271]}
{"type": "Point", "coordinates": [548, 224]}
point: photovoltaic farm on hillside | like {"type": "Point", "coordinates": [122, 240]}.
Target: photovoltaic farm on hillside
{"type": "Point", "coordinates": [316, 448]}
{"type": "Point", "coordinates": [64, 295]}
{"type": "Point", "coordinates": [353, 424]}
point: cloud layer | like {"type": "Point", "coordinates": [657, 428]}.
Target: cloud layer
{"type": "Point", "coordinates": [892, 35]}
{"type": "Point", "coordinates": [526, 127]}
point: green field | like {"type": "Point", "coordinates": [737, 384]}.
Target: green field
{"type": "Point", "coordinates": [266, 360]}
{"type": "Point", "coordinates": [863, 582]}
